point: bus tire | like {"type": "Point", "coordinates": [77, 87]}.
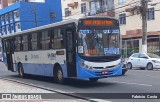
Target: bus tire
{"type": "Point", "coordinates": [20, 70]}
{"type": "Point", "coordinates": [58, 75]}
{"type": "Point", "coordinates": [93, 79]}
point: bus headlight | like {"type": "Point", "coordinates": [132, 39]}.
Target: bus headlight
{"type": "Point", "coordinates": [86, 66]}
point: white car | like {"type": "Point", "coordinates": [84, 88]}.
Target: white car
{"type": "Point", "coordinates": [143, 60]}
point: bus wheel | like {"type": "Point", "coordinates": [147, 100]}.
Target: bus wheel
{"type": "Point", "coordinates": [93, 79]}
{"type": "Point", "coordinates": [59, 76]}
{"type": "Point", "coordinates": [20, 70]}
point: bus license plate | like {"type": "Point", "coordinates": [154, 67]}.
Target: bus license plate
{"type": "Point", "coordinates": [105, 72]}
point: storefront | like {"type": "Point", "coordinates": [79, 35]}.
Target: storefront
{"type": "Point", "coordinates": [132, 44]}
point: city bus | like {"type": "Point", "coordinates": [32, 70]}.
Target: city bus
{"type": "Point", "coordinates": [81, 48]}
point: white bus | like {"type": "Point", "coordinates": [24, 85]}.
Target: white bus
{"type": "Point", "coordinates": [79, 48]}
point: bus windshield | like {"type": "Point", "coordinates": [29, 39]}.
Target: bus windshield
{"type": "Point", "coordinates": [99, 42]}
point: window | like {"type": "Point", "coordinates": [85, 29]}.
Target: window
{"type": "Point", "coordinates": [95, 6]}
{"type": "Point", "coordinates": [34, 44]}
{"type": "Point", "coordinates": [150, 14]}
{"type": "Point", "coordinates": [10, 16]}
{"type": "Point", "coordinates": [122, 1]}
{"type": "Point", "coordinates": [3, 29]}
{"type": "Point", "coordinates": [56, 39]}
{"type": "Point", "coordinates": [142, 56]}
{"type": "Point", "coordinates": [12, 28]}
{"type": "Point", "coordinates": [18, 26]}
{"type": "Point", "coordinates": [2, 18]}
{"type": "Point", "coordinates": [25, 43]}
{"type": "Point", "coordinates": [67, 12]}
{"type": "Point", "coordinates": [83, 8]}
{"type": "Point", "coordinates": [18, 41]}
{"type": "Point", "coordinates": [16, 13]}
{"type": "Point", "coordinates": [6, 17]}
{"type": "Point", "coordinates": [122, 18]}
{"type": "Point", "coordinates": [8, 27]}
{"type": "Point", "coordinates": [135, 55]}
{"type": "Point", "coordinates": [45, 40]}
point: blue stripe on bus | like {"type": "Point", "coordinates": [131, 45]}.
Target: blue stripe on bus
{"type": "Point", "coordinates": [41, 69]}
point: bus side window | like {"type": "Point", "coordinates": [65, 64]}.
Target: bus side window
{"type": "Point", "coordinates": [52, 39]}
{"type": "Point", "coordinates": [25, 42]}
{"type": "Point", "coordinates": [29, 42]}
{"type": "Point", "coordinates": [17, 43]}
{"type": "Point", "coordinates": [58, 39]}
{"type": "Point", "coordinates": [34, 41]}
{"type": "Point", "coordinates": [45, 40]}
{"type": "Point", "coordinates": [39, 40]}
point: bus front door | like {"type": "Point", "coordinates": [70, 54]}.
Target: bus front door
{"type": "Point", "coordinates": [9, 50]}
{"type": "Point", "coordinates": [70, 53]}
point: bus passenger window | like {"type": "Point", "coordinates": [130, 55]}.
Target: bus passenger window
{"type": "Point", "coordinates": [25, 42]}
{"type": "Point", "coordinates": [17, 43]}
{"type": "Point", "coordinates": [52, 43]}
{"type": "Point", "coordinates": [29, 42]}
{"type": "Point", "coordinates": [34, 41]}
{"type": "Point", "coordinates": [45, 40]}
{"type": "Point", "coordinates": [56, 41]}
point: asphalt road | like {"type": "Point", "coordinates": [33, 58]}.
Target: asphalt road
{"type": "Point", "coordinates": [135, 81]}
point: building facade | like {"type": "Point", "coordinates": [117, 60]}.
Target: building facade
{"type": "Point", "coordinates": [74, 8]}
{"type": "Point", "coordinates": [129, 14]}
{"type": "Point", "coordinates": [81, 8]}
{"type": "Point", "coordinates": [25, 15]}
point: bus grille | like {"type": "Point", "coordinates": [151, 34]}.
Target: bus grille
{"type": "Point", "coordinates": [104, 68]}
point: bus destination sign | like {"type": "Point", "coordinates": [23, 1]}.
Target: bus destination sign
{"type": "Point", "coordinates": [100, 22]}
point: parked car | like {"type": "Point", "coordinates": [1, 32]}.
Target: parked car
{"type": "Point", "coordinates": [143, 60]}
{"type": "Point", "coordinates": [124, 66]}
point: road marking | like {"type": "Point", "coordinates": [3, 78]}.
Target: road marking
{"type": "Point", "coordinates": [99, 100]}
{"type": "Point", "coordinates": [152, 76]}
{"type": "Point", "coordinates": [145, 75]}
{"type": "Point", "coordinates": [133, 83]}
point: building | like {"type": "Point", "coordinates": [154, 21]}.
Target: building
{"type": "Point", "coordinates": [80, 8]}
{"type": "Point", "coordinates": [129, 14]}
{"type": "Point", "coordinates": [74, 8]}
{"type": "Point", "coordinates": [5, 3]}
{"type": "Point", "coordinates": [25, 15]}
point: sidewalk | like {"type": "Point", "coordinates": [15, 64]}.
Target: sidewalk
{"type": "Point", "coordinates": [22, 93]}
{"type": "Point", "coordinates": [11, 87]}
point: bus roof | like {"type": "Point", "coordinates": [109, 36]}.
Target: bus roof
{"type": "Point", "coordinates": [53, 25]}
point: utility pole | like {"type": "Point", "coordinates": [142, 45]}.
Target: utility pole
{"type": "Point", "coordinates": [35, 15]}
{"type": "Point", "coordinates": [144, 9]}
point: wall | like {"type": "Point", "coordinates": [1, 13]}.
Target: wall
{"type": "Point", "coordinates": [134, 22]}
{"type": "Point", "coordinates": [76, 12]}
{"type": "Point", "coordinates": [43, 11]}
